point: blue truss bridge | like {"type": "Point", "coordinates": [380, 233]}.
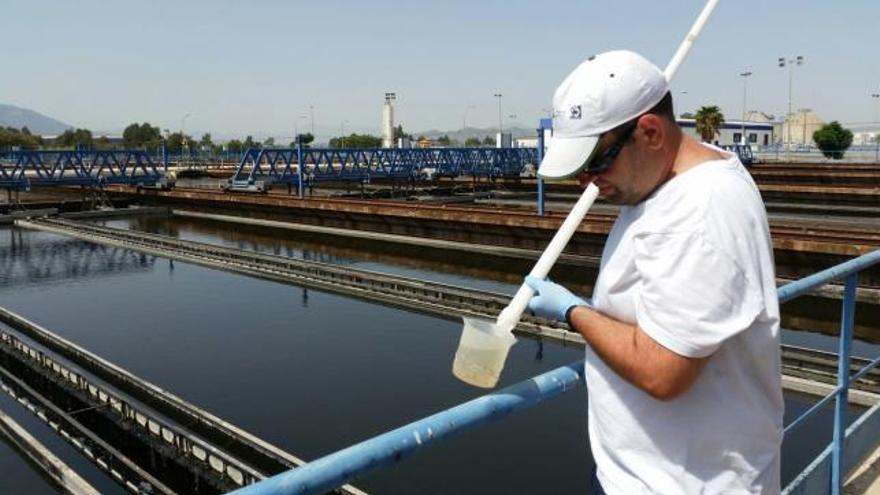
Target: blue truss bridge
{"type": "Point", "coordinates": [263, 167]}
{"type": "Point", "coordinates": [22, 170]}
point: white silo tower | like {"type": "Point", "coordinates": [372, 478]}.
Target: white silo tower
{"type": "Point", "coordinates": [388, 121]}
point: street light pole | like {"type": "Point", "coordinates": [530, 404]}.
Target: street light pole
{"type": "Point", "coordinates": [296, 128]}
{"type": "Point", "coordinates": [799, 60]}
{"type": "Point", "coordinates": [464, 118]}
{"type": "Point", "coordinates": [312, 119]}
{"type": "Point", "coordinates": [500, 126]}
{"type": "Point", "coordinates": [182, 133]}
{"type": "Point", "coordinates": [876, 96]}
{"type": "Point", "coordinates": [342, 134]}
{"type": "Point", "coordinates": [745, 75]}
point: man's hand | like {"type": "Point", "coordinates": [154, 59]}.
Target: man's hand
{"type": "Point", "coordinates": [552, 301]}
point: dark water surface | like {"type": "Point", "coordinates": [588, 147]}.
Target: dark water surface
{"type": "Point", "coordinates": [472, 270]}
{"type": "Point", "coordinates": [309, 371]}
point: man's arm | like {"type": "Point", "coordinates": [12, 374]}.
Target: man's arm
{"type": "Point", "coordinates": [635, 356]}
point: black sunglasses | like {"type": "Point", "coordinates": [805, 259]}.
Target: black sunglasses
{"type": "Point", "coordinates": [601, 163]}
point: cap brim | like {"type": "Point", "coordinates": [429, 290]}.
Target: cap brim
{"type": "Point", "coordinates": [566, 157]}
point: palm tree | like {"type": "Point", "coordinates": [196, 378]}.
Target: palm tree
{"type": "Point", "coordinates": [709, 121]}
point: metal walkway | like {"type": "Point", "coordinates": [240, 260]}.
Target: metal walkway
{"type": "Point", "coordinates": [805, 370]}
{"type": "Point", "coordinates": [261, 167]}
{"type": "Point", "coordinates": [26, 169]}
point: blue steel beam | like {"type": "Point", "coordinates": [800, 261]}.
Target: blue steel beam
{"type": "Point", "coordinates": [28, 169]}
{"type": "Point", "coordinates": [333, 470]}
{"type": "Point", "coordinates": [281, 166]}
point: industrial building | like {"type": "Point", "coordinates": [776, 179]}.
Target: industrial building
{"type": "Point", "coordinates": [731, 132]}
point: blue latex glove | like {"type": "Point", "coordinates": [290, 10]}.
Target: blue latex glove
{"type": "Point", "coordinates": [552, 301]}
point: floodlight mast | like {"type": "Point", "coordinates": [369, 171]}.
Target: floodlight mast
{"type": "Point", "coordinates": [791, 63]}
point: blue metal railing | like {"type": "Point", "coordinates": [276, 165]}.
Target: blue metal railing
{"type": "Point", "coordinates": [850, 272]}
{"type": "Point", "coordinates": [340, 467]}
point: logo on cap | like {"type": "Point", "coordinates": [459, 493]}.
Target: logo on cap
{"type": "Point", "coordinates": [574, 113]}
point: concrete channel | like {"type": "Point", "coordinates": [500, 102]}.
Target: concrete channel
{"type": "Point", "coordinates": [47, 463]}
{"type": "Point", "coordinates": [805, 370]}
{"type": "Point", "coordinates": [122, 423]}
{"type": "Point", "coordinates": [831, 291]}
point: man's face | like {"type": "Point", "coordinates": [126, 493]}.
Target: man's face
{"type": "Point", "coordinates": [630, 178]}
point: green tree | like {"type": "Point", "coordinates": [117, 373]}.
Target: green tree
{"type": "Point", "coordinates": [235, 146]}
{"type": "Point", "coordinates": [399, 133]}
{"type": "Point", "coordinates": [356, 141]}
{"type": "Point", "coordinates": [488, 141]}
{"type": "Point", "coordinates": [205, 142]}
{"type": "Point", "coordinates": [444, 140]}
{"type": "Point", "coordinates": [175, 141]}
{"type": "Point", "coordinates": [30, 140]}
{"type": "Point", "coordinates": [11, 137]}
{"type": "Point", "coordinates": [833, 139]}
{"type": "Point", "coordinates": [472, 142]}
{"type": "Point", "coordinates": [709, 121]}
{"type": "Point", "coordinates": [103, 143]}
{"type": "Point", "coordinates": [306, 139]}
{"type": "Point", "coordinates": [138, 135]}
{"type": "Point", "coordinates": [72, 138]}
{"type": "Point", "coordinates": [250, 143]}
{"type": "Point", "coordinates": [270, 141]}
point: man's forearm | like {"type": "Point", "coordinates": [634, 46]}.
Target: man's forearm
{"type": "Point", "coordinates": [635, 356]}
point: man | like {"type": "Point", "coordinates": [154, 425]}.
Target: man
{"type": "Point", "coordinates": [682, 362]}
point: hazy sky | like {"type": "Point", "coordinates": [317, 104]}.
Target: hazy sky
{"type": "Point", "coordinates": [255, 67]}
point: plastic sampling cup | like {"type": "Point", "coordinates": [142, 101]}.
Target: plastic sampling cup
{"type": "Point", "coordinates": [481, 353]}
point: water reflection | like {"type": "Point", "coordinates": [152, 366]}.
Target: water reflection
{"type": "Point", "coordinates": [239, 237]}
{"type": "Point", "coordinates": [475, 270]}
{"type": "Point", "coordinates": [495, 274]}
{"type": "Point", "coordinates": [29, 258]}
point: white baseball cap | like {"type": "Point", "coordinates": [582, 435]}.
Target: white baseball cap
{"type": "Point", "coordinates": [603, 92]}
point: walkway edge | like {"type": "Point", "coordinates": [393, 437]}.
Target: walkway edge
{"type": "Point", "coordinates": [49, 465]}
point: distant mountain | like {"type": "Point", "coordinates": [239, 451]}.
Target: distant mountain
{"type": "Point", "coordinates": [37, 123]}
{"type": "Point", "coordinates": [461, 135]}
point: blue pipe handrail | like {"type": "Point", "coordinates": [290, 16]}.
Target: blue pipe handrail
{"type": "Point", "coordinates": [335, 469]}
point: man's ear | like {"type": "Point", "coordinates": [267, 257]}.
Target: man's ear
{"type": "Point", "coordinates": [652, 131]}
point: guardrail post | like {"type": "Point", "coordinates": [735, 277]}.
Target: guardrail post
{"type": "Point", "coordinates": [843, 373]}
{"type": "Point", "coordinates": [537, 165]}
{"type": "Point", "coordinates": [540, 197]}
{"type": "Point", "coordinates": [300, 167]}
{"type": "Point", "coordinates": [544, 124]}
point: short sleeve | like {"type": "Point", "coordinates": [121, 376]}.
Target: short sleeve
{"type": "Point", "coordinates": [693, 296]}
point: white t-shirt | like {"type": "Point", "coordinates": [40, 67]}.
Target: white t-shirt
{"type": "Point", "coordinates": [692, 265]}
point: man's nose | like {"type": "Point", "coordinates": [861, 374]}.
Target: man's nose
{"type": "Point", "coordinates": [585, 179]}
